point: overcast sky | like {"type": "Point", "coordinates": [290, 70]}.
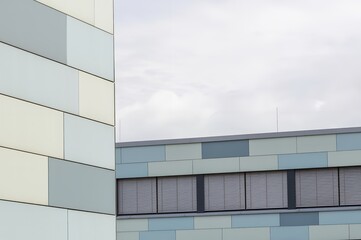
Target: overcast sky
{"type": "Point", "coordinates": [191, 68]}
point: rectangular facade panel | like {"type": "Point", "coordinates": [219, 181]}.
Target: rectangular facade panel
{"type": "Point", "coordinates": [91, 226]}
{"type": "Point", "coordinates": [287, 233]}
{"type": "Point", "coordinates": [340, 217]}
{"type": "Point", "coordinates": [216, 165]}
{"type": "Point", "coordinates": [143, 154]}
{"type": "Point", "coordinates": [209, 234]}
{"type": "Point", "coordinates": [170, 168]}
{"type": "Point", "coordinates": [329, 232]}
{"type": "Point", "coordinates": [183, 151]}
{"type": "Point", "coordinates": [355, 231]}
{"type": "Point", "coordinates": [78, 186]}
{"type": "Point", "coordinates": [104, 15]}
{"type": "Point", "coordinates": [157, 235]}
{"type": "Point", "coordinates": [225, 149]}
{"type": "Point", "coordinates": [272, 146]}
{"type": "Point", "coordinates": [178, 223]}
{"type": "Point", "coordinates": [322, 143]}
{"type": "Point", "coordinates": [132, 225]}
{"type": "Point", "coordinates": [23, 221]}
{"type": "Point", "coordinates": [350, 186]}
{"type": "Point", "coordinates": [23, 177]}
{"type": "Point", "coordinates": [37, 79]}
{"type": "Point", "coordinates": [128, 235]}
{"type": "Point", "coordinates": [299, 219]}
{"type": "Point", "coordinates": [131, 170]}
{"type": "Point", "coordinates": [255, 220]}
{"type": "Point", "coordinates": [96, 98]}
{"type": "Point", "coordinates": [88, 142]}
{"type": "Point", "coordinates": [349, 141]}
{"type": "Point", "coordinates": [246, 233]}
{"type": "Point", "coordinates": [344, 158]}
{"type": "Point", "coordinates": [302, 160]}
{"type": "Point", "coordinates": [44, 28]}
{"type": "Point", "coordinates": [258, 163]}
{"type": "Point", "coordinates": [212, 222]}
{"type": "Point", "coordinates": [89, 49]}
{"type": "Point", "coordinates": [30, 127]}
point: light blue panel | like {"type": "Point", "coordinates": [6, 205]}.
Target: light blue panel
{"type": "Point", "coordinates": [288, 233]}
{"type": "Point", "coordinates": [131, 170]}
{"type": "Point", "coordinates": [89, 142]}
{"type": "Point", "coordinates": [90, 49]}
{"type": "Point", "coordinates": [143, 154]}
{"type": "Point", "coordinates": [340, 217]}
{"type": "Point", "coordinates": [39, 80]}
{"type": "Point", "coordinates": [225, 149]}
{"type": "Point", "coordinates": [257, 220]}
{"type": "Point", "coordinates": [171, 223]}
{"type": "Point", "coordinates": [302, 160]}
{"type": "Point", "coordinates": [349, 141]}
{"type": "Point", "coordinates": [157, 235]}
{"type": "Point", "coordinates": [33, 27]}
{"type": "Point", "coordinates": [118, 155]}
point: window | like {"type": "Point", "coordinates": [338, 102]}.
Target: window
{"type": "Point", "coordinates": [350, 186]}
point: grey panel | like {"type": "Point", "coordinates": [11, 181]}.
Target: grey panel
{"type": "Point", "coordinates": [350, 186]}
{"type": "Point", "coordinates": [34, 27]}
{"type": "Point", "coordinates": [224, 192]}
{"type": "Point", "coordinates": [317, 187]}
{"type": "Point", "coordinates": [177, 194]}
{"type": "Point", "coordinates": [82, 187]}
{"type": "Point", "coordinates": [225, 149]}
{"type": "Point", "coordinates": [137, 196]}
{"type": "Point", "coordinates": [299, 219]}
{"type": "Point", "coordinates": [266, 190]}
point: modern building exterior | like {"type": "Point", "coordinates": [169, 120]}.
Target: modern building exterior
{"type": "Point", "coordinates": [303, 185]}
{"type": "Point", "coordinates": [57, 120]}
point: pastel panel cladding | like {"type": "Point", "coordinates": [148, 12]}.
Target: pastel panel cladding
{"type": "Point", "coordinates": [118, 155]}
{"type": "Point", "coordinates": [246, 233]}
{"type": "Point", "coordinates": [131, 170]}
{"type": "Point", "coordinates": [329, 232]}
{"type": "Point", "coordinates": [104, 15]}
{"type": "Point", "coordinates": [143, 154]}
{"type": "Point", "coordinates": [340, 217]}
{"type": "Point", "coordinates": [25, 221]}
{"type": "Point", "coordinates": [44, 28]}
{"type": "Point", "coordinates": [132, 225]}
{"type": "Point", "coordinates": [322, 143]}
{"type": "Point", "coordinates": [39, 80]}
{"type": "Point", "coordinates": [128, 236]}
{"type": "Point", "coordinates": [344, 158]}
{"type": "Point", "coordinates": [256, 220]}
{"type": "Point", "coordinates": [183, 151]}
{"type": "Point", "coordinates": [287, 233]}
{"type": "Point", "coordinates": [209, 234]}
{"type": "Point", "coordinates": [299, 219]}
{"type": "Point", "coordinates": [89, 49]}
{"type": "Point", "coordinates": [272, 146]}
{"type": "Point", "coordinates": [157, 235]}
{"type": "Point", "coordinates": [257, 163]}
{"type": "Point", "coordinates": [217, 165]}
{"type": "Point", "coordinates": [78, 186]}
{"type": "Point", "coordinates": [23, 177]}
{"type": "Point", "coordinates": [349, 141]}
{"type": "Point", "coordinates": [91, 226]}
{"type": "Point", "coordinates": [302, 160]}
{"type": "Point", "coordinates": [170, 168]}
{"type": "Point", "coordinates": [30, 127]}
{"type": "Point", "coordinates": [355, 231]}
{"type": "Point", "coordinates": [89, 142]}
{"type": "Point", "coordinates": [212, 222]}
{"type": "Point", "coordinates": [96, 98]}
{"type": "Point", "coordinates": [225, 149]}
{"type": "Point", "coordinates": [171, 223]}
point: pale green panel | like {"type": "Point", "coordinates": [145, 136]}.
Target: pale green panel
{"type": "Point", "coordinates": [355, 231]}
{"type": "Point", "coordinates": [329, 232]}
{"type": "Point", "coordinates": [170, 168]}
{"type": "Point", "coordinates": [320, 143]}
{"type": "Point", "coordinates": [183, 151]}
{"type": "Point", "coordinates": [212, 234]}
{"type": "Point", "coordinates": [39, 80]}
{"type": "Point", "coordinates": [89, 49]}
{"type": "Point", "coordinates": [258, 163]}
{"type": "Point", "coordinates": [272, 146]}
{"type": "Point", "coordinates": [128, 236]}
{"type": "Point", "coordinates": [344, 158]}
{"type": "Point", "coordinates": [212, 222]}
{"type": "Point", "coordinates": [217, 165]}
{"type": "Point", "coordinates": [246, 233]}
{"type": "Point", "coordinates": [132, 225]}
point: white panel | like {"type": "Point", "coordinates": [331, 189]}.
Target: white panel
{"type": "Point", "coordinates": [183, 151]}
{"type": "Point", "coordinates": [96, 98]}
{"type": "Point", "coordinates": [23, 221]}
{"type": "Point", "coordinates": [272, 146]}
{"type": "Point", "coordinates": [216, 165]}
{"type": "Point", "coordinates": [30, 127]}
{"type": "Point", "coordinates": [104, 15]}
{"type": "Point", "coordinates": [23, 177]}
{"type": "Point", "coordinates": [170, 168]}
{"type": "Point", "coordinates": [322, 143]}
{"type": "Point", "coordinates": [91, 226]}
{"type": "Point", "coordinates": [126, 225]}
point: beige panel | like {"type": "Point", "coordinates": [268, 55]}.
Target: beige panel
{"type": "Point", "coordinates": [344, 158]}
{"type": "Point", "coordinates": [29, 127]}
{"type": "Point", "coordinates": [321, 143]}
{"type": "Point", "coordinates": [183, 151]}
{"type": "Point", "coordinates": [212, 234]}
{"type": "Point", "coordinates": [212, 222]}
{"type": "Point", "coordinates": [128, 236]}
{"type": "Point", "coordinates": [80, 9]}
{"type": "Point", "coordinates": [272, 146]}
{"type": "Point", "coordinates": [96, 98]}
{"type": "Point", "coordinates": [246, 233]}
{"type": "Point", "coordinates": [258, 163]}
{"type": "Point", "coordinates": [170, 168]}
{"type": "Point", "coordinates": [355, 231]}
{"type": "Point", "coordinates": [104, 15]}
{"type": "Point", "coordinates": [23, 177]}
{"type": "Point", "coordinates": [132, 225]}
{"type": "Point", "coordinates": [216, 165]}
{"type": "Point", "coordinates": [329, 232]}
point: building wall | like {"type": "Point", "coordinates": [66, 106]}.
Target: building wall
{"type": "Point", "coordinates": [334, 151]}
{"type": "Point", "coordinates": [57, 120]}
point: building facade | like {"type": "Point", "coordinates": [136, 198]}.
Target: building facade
{"type": "Point", "coordinates": [278, 186]}
{"type": "Point", "coordinates": [57, 166]}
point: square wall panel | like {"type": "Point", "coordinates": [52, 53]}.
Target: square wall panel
{"type": "Point", "coordinates": [104, 15]}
